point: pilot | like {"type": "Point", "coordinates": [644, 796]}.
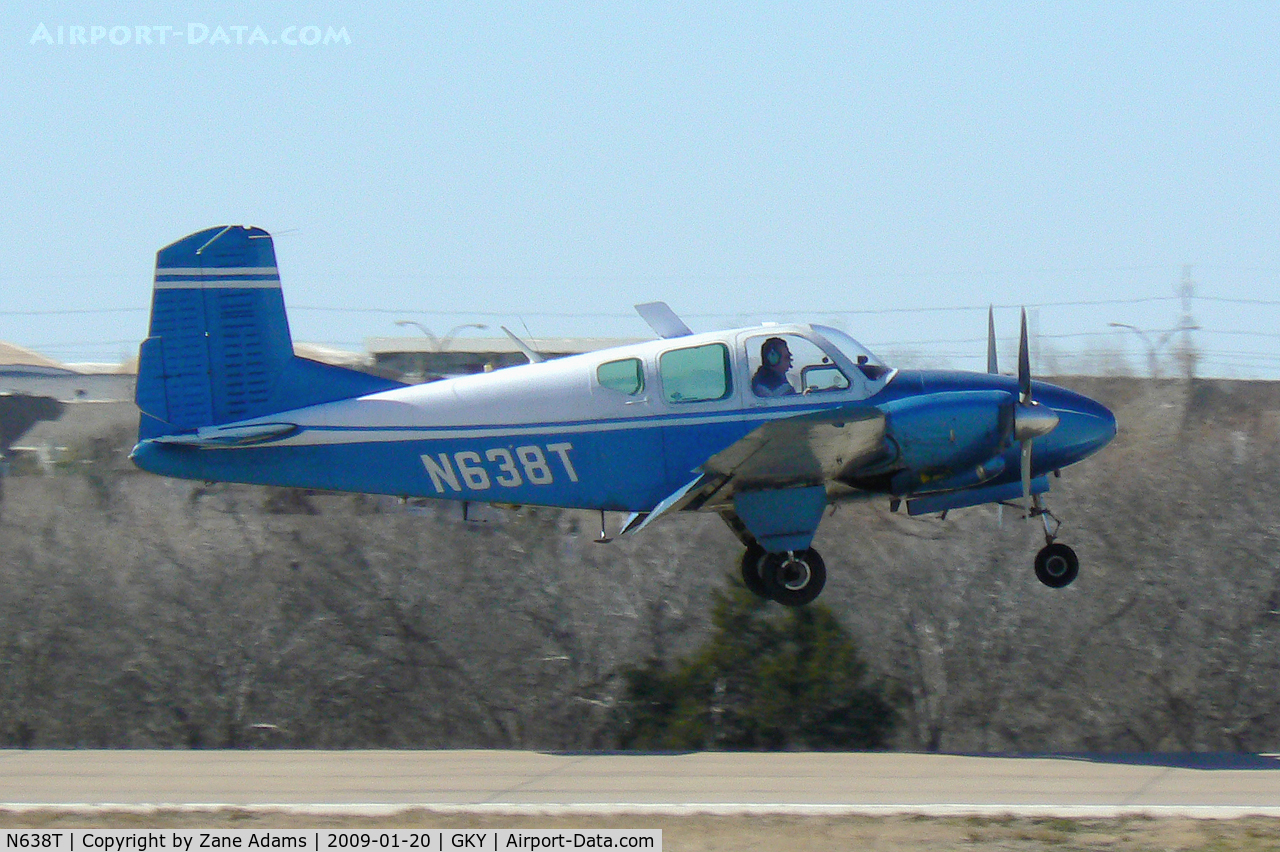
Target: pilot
{"type": "Point", "coordinates": [775, 361]}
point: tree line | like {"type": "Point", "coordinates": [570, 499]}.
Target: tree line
{"type": "Point", "coordinates": [144, 612]}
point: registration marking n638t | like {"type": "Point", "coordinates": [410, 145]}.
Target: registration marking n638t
{"type": "Point", "coordinates": [508, 467]}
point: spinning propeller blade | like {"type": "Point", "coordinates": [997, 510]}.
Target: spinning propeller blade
{"type": "Point", "coordinates": [1024, 364]}
{"type": "Point", "coordinates": [992, 366]}
{"type": "Point", "coordinates": [1030, 419]}
{"type": "Point", "coordinates": [1024, 399]}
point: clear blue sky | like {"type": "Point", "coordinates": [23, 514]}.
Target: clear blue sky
{"type": "Point", "coordinates": [552, 164]}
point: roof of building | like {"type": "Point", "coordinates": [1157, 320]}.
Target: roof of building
{"type": "Point", "coordinates": [12, 355]}
{"type": "Point", "coordinates": [495, 345]}
{"type": "Point", "coordinates": [331, 355]}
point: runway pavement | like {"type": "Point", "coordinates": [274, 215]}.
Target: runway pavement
{"type": "Point", "coordinates": [380, 782]}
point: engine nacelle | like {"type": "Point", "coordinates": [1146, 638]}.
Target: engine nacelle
{"type": "Point", "coordinates": [940, 439]}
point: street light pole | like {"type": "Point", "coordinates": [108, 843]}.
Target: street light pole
{"type": "Point", "coordinates": [453, 332]}
{"type": "Point", "coordinates": [1153, 349]}
{"type": "Point", "coordinates": [438, 344]}
{"type": "Point", "coordinates": [426, 332]}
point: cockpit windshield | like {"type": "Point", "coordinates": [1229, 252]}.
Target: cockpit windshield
{"type": "Point", "coordinates": [871, 366]}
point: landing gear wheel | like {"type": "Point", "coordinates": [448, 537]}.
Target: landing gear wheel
{"type": "Point", "coordinates": [751, 564]}
{"type": "Point", "coordinates": [794, 578]}
{"type": "Point", "coordinates": [1057, 565]}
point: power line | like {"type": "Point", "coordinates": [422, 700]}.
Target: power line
{"type": "Point", "coordinates": [695, 315]}
{"type": "Point", "coordinates": [771, 312]}
{"type": "Point", "coordinates": [1267, 334]}
{"type": "Point", "coordinates": [1228, 300]}
{"type": "Point", "coordinates": [55, 312]}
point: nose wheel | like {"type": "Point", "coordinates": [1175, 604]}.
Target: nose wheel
{"type": "Point", "coordinates": [1056, 564]}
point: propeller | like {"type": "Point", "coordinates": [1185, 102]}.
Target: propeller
{"type": "Point", "coordinates": [1030, 419]}
{"type": "Point", "coordinates": [992, 366]}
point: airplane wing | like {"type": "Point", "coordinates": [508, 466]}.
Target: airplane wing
{"type": "Point", "coordinates": [209, 437]}
{"type": "Point", "coordinates": [805, 450]}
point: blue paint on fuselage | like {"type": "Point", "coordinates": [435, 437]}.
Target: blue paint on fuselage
{"type": "Point", "coordinates": [636, 462]}
{"type": "Point", "coordinates": [614, 470]}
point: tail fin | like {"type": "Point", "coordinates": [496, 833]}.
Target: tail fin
{"type": "Point", "coordinates": [219, 349]}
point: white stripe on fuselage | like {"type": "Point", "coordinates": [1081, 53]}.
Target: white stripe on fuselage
{"type": "Point", "coordinates": [317, 434]}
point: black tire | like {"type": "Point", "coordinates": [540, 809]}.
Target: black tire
{"type": "Point", "coordinates": [751, 565]}
{"type": "Point", "coordinates": [1057, 566]}
{"type": "Point", "coordinates": [794, 580]}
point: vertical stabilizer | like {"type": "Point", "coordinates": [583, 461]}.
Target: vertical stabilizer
{"type": "Point", "coordinates": [219, 350]}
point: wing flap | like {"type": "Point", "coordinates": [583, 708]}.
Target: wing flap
{"type": "Point", "coordinates": [674, 502]}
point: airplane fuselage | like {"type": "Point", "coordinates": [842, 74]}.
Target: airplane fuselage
{"type": "Point", "coordinates": [552, 434]}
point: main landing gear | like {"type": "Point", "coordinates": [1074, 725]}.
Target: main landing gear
{"type": "Point", "coordinates": [792, 578]}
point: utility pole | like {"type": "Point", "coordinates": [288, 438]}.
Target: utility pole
{"type": "Point", "coordinates": [1187, 354]}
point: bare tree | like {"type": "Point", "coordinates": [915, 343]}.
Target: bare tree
{"type": "Point", "coordinates": [140, 611]}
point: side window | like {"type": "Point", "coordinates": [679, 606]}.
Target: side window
{"type": "Point", "coordinates": [787, 364]}
{"type": "Point", "coordinates": [624, 376]}
{"type": "Point", "coordinates": [696, 374]}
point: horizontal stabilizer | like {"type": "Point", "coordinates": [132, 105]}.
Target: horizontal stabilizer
{"type": "Point", "coordinates": [20, 411]}
{"type": "Point", "coordinates": [230, 436]}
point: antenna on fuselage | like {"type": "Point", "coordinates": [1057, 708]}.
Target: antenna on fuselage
{"type": "Point", "coordinates": [529, 352]}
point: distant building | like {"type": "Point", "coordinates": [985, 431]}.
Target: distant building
{"type": "Point", "coordinates": [27, 372]}
{"type": "Point", "coordinates": [411, 359]}
{"type": "Point", "coordinates": [422, 359]}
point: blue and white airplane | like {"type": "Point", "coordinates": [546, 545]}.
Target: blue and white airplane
{"type": "Point", "coordinates": [766, 426]}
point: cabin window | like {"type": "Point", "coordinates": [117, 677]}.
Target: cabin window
{"type": "Point", "coordinates": [624, 376]}
{"type": "Point", "coordinates": [696, 374]}
{"type": "Point", "coordinates": [785, 364]}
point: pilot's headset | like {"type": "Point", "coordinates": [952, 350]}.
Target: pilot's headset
{"type": "Point", "coordinates": [771, 351]}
